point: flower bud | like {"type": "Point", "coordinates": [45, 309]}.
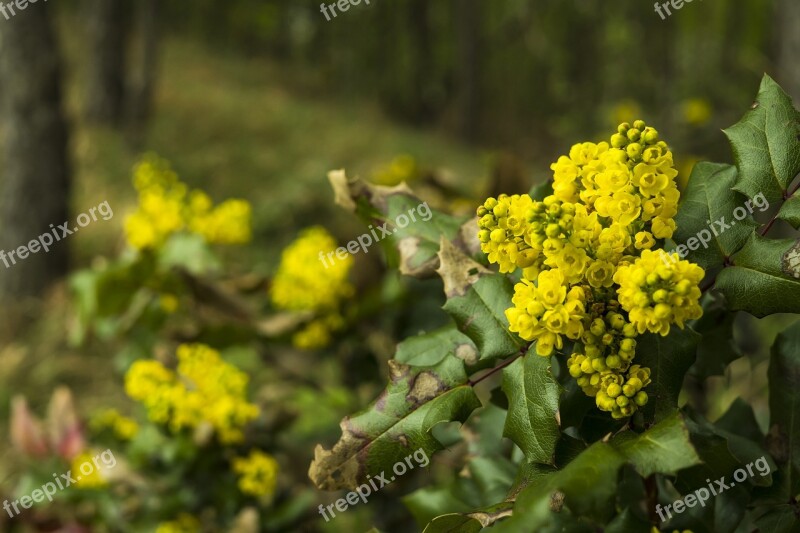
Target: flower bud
{"type": "Point", "coordinates": [618, 140]}
{"type": "Point", "coordinates": [498, 235]}
{"type": "Point", "coordinates": [639, 124]}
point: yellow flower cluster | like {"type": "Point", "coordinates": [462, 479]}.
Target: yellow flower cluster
{"type": "Point", "coordinates": [124, 428]}
{"type": "Point", "coordinates": [304, 283]}
{"type": "Point", "coordinates": [204, 390]}
{"type": "Point", "coordinates": [588, 270]}
{"type": "Point", "coordinates": [185, 523]}
{"type": "Point", "coordinates": [167, 206]}
{"type": "Point", "coordinates": [402, 168]}
{"type": "Point", "coordinates": [94, 480]}
{"type": "Point", "coordinates": [258, 473]}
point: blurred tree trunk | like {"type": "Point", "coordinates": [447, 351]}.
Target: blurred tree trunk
{"type": "Point", "coordinates": [143, 88]}
{"type": "Point", "coordinates": [468, 21]}
{"type": "Point", "coordinates": [108, 29]}
{"type": "Point", "coordinates": [422, 58]}
{"type": "Point", "coordinates": [36, 173]}
{"type": "Point", "coordinates": [788, 23]}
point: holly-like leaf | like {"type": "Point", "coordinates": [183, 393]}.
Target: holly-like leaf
{"type": "Point", "coordinates": [716, 349]}
{"type": "Point", "coordinates": [587, 486]}
{"type": "Point", "coordinates": [706, 225]}
{"type": "Point", "coordinates": [765, 144]}
{"type": "Point", "coordinates": [397, 424]}
{"type": "Point", "coordinates": [765, 278]}
{"type": "Point", "coordinates": [669, 358]}
{"type": "Point", "coordinates": [430, 348]}
{"type": "Point", "coordinates": [477, 300]}
{"type": "Point", "coordinates": [665, 448]}
{"type": "Point", "coordinates": [400, 221]}
{"type": "Point", "coordinates": [790, 211]}
{"type": "Point", "coordinates": [784, 405]}
{"type": "Point", "coordinates": [533, 395]}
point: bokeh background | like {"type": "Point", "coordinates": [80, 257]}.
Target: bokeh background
{"type": "Point", "coordinates": [259, 99]}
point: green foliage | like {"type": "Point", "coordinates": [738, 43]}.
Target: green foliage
{"type": "Point", "coordinates": [564, 465]}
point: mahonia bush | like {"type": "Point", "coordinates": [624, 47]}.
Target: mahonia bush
{"type": "Point", "coordinates": [303, 283]}
{"type": "Point", "coordinates": [589, 271]}
{"type": "Point", "coordinates": [167, 206]}
{"type": "Point", "coordinates": [204, 390]}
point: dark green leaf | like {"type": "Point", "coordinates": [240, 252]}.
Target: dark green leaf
{"type": "Point", "coordinates": [533, 395]}
{"type": "Point", "coordinates": [669, 358]}
{"type": "Point", "coordinates": [430, 348]}
{"type": "Point", "coordinates": [784, 405]}
{"type": "Point", "coordinates": [764, 278]}
{"type": "Point", "coordinates": [708, 198]}
{"type": "Point", "coordinates": [397, 424]}
{"type": "Point", "coordinates": [765, 144]}
{"type": "Point", "coordinates": [665, 448]}
{"type": "Point", "coordinates": [477, 300]}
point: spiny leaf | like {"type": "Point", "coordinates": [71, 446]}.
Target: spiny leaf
{"type": "Point", "coordinates": [669, 358]}
{"type": "Point", "coordinates": [477, 300]}
{"type": "Point", "coordinates": [397, 424]}
{"type": "Point", "coordinates": [414, 247]}
{"type": "Point", "coordinates": [707, 213]}
{"type": "Point", "coordinates": [533, 395]}
{"type": "Point", "coordinates": [765, 144]}
{"type": "Point", "coordinates": [665, 448]}
{"type": "Point", "coordinates": [784, 405]}
{"type": "Point", "coordinates": [765, 278]}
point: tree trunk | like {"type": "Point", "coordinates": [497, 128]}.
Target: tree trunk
{"type": "Point", "coordinates": [36, 173]}
{"type": "Point", "coordinates": [108, 29]}
{"type": "Point", "coordinates": [143, 88]}
{"type": "Point", "coordinates": [788, 23]}
{"type": "Point", "coordinates": [468, 20]}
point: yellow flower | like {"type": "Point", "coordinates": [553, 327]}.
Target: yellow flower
{"type": "Point", "coordinates": [185, 523]}
{"type": "Point", "coordinates": [658, 290]}
{"type": "Point", "coordinates": [258, 474]}
{"type": "Point", "coordinates": [303, 282]}
{"type": "Point", "coordinates": [124, 428]}
{"type": "Point", "coordinates": [588, 269]}
{"type": "Point", "coordinates": [166, 206]}
{"type": "Point", "coordinates": [204, 390]}
{"type": "Point", "coordinates": [94, 479]}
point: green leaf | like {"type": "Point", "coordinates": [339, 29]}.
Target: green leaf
{"type": "Point", "coordinates": [717, 348]}
{"type": "Point", "coordinates": [784, 405]}
{"type": "Point", "coordinates": [790, 211]}
{"type": "Point", "coordinates": [587, 486]}
{"type": "Point", "coordinates": [397, 424]}
{"type": "Point", "coordinates": [413, 240]}
{"type": "Point", "coordinates": [665, 448]}
{"type": "Point", "coordinates": [765, 144]}
{"type": "Point", "coordinates": [709, 198]}
{"type": "Point", "coordinates": [669, 358]}
{"type": "Point", "coordinates": [533, 395]}
{"type": "Point", "coordinates": [430, 348]}
{"type": "Point", "coordinates": [477, 300]}
{"type": "Point", "coordinates": [764, 278]}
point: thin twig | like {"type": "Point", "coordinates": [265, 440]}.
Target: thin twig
{"type": "Point", "coordinates": [501, 366]}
